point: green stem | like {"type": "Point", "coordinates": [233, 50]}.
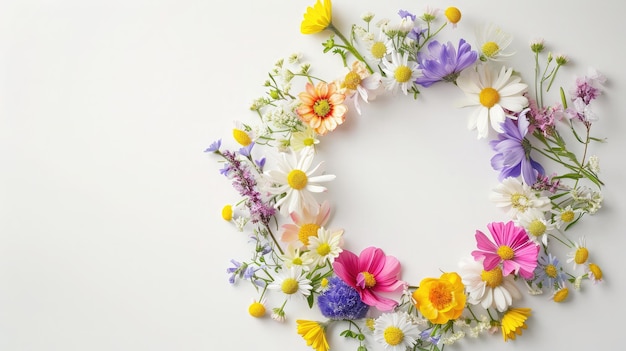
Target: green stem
{"type": "Point", "coordinates": [350, 47]}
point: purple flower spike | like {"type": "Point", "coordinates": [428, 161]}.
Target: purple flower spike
{"type": "Point", "coordinates": [215, 146]}
{"type": "Point", "coordinates": [443, 62]}
{"type": "Point", "coordinates": [512, 149]}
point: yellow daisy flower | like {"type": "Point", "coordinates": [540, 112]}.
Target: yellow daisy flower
{"type": "Point", "coordinates": [317, 18]}
{"type": "Point", "coordinates": [513, 321]}
{"type": "Point", "coordinates": [314, 334]}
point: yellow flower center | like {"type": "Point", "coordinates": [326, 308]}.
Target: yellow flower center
{"type": "Point", "coordinates": [519, 202]}
{"type": "Point", "coordinates": [227, 212]}
{"type": "Point", "coordinates": [393, 335]}
{"type": "Point", "coordinates": [297, 261]}
{"type": "Point", "coordinates": [402, 74]}
{"type": "Point", "coordinates": [490, 49]}
{"type": "Point", "coordinates": [323, 249]}
{"type": "Point", "coordinates": [297, 179]}
{"type": "Point", "coordinates": [352, 80]}
{"type": "Point", "coordinates": [324, 282]}
{"type": "Point", "coordinates": [453, 14]}
{"type": "Point", "coordinates": [321, 108]}
{"type": "Point", "coordinates": [440, 296]}
{"type": "Point", "coordinates": [370, 281]}
{"type": "Point", "coordinates": [370, 323]}
{"type": "Point", "coordinates": [505, 252]}
{"type": "Point", "coordinates": [596, 271]}
{"type": "Point", "coordinates": [289, 286]}
{"type": "Point", "coordinates": [551, 271]}
{"type": "Point", "coordinates": [492, 278]}
{"type": "Point", "coordinates": [537, 228]}
{"type": "Point", "coordinates": [581, 255]}
{"type": "Point", "coordinates": [378, 50]}
{"type": "Point", "coordinates": [567, 216]}
{"type": "Point", "coordinates": [307, 230]}
{"type": "Point", "coordinates": [489, 97]}
{"type": "Point", "coordinates": [241, 137]}
{"type": "Point", "coordinates": [561, 295]}
{"type": "Point", "coordinates": [256, 309]}
{"type": "Point", "coordinates": [308, 142]}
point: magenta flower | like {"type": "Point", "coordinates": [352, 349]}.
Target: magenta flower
{"type": "Point", "coordinates": [370, 273]}
{"type": "Point", "coordinates": [512, 247]}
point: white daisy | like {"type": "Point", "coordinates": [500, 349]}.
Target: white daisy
{"type": "Point", "coordinates": [293, 257]}
{"type": "Point", "coordinates": [491, 92]}
{"type": "Point", "coordinates": [324, 247]}
{"type": "Point", "coordinates": [292, 282]}
{"type": "Point", "coordinates": [566, 216]}
{"type": "Point", "coordinates": [493, 43]}
{"type": "Point", "coordinates": [536, 225]}
{"type": "Point", "coordinates": [516, 198]}
{"type": "Point", "coordinates": [380, 47]}
{"type": "Point", "coordinates": [579, 254]}
{"type": "Point", "coordinates": [488, 288]}
{"type": "Point", "coordinates": [294, 179]}
{"type": "Point", "coordinates": [400, 72]}
{"type": "Point", "coordinates": [395, 331]}
{"type": "Point", "coordinates": [302, 139]}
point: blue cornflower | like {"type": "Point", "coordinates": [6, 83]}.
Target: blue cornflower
{"type": "Point", "coordinates": [443, 62]}
{"type": "Point", "coordinates": [341, 301]}
{"type": "Point", "coordinates": [512, 149]}
{"type": "Point", "coordinates": [215, 146]}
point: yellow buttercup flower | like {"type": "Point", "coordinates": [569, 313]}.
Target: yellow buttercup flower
{"type": "Point", "coordinates": [441, 300]}
{"type": "Point", "coordinates": [313, 333]}
{"type": "Point", "coordinates": [513, 321]}
{"type": "Point", "coordinates": [317, 18]}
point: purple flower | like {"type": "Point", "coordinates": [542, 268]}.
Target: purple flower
{"type": "Point", "coordinates": [512, 149]}
{"type": "Point", "coordinates": [215, 146]}
{"type": "Point", "coordinates": [416, 33]}
{"type": "Point", "coordinates": [341, 301]}
{"type": "Point", "coordinates": [246, 151]}
{"type": "Point", "coordinates": [443, 62]}
{"type": "Point", "coordinates": [404, 14]}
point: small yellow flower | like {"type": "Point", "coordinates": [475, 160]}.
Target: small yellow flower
{"type": "Point", "coordinates": [561, 294]}
{"type": "Point", "coordinates": [313, 333]}
{"type": "Point", "coordinates": [595, 273]}
{"type": "Point", "coordinates": [241, 137]}
{"type": "Point", "coordinates": [227, 212]}
{"type": "Point", "coordinates": [453, 14]}
{"type": "Point", "coordinates": [317, 18]}
{"type": "Point", "coordinates": [513, 321]}
{"type": "Point", "coordinates": [256, 309]}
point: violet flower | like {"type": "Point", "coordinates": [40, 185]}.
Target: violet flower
{"type": "Point", "coordinates": [215, 146]}
{"type": "Point", "coordinates": [443, 62]}
{"type": "Point", "coordinates": [341, 301]}
{"type": "Point", "coordinates": [512, 149]}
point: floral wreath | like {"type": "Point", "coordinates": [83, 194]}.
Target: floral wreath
{"type": "Point", "coordinates": [544, 186]}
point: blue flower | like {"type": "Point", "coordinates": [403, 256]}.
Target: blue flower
{"type": "Point", "coordinates": [549, 272]}
{"type": "Point", "coordinates": [247, 150]}
{"type": "Point", "coordinates": [512, 149]}
{"type": "Point", "coordinates": [341, 301]}
{"type": "Point", "coordinates": [443, 62]}
{"type": "Point", "coordinates": [215, 146]}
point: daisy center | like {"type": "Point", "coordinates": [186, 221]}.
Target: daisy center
{"type": "Point", "coordinates": [581, 255]}
{"type": "Point", "coordinates": [440, 296]}
{"type": "Point", "coordinates": [567, 216]}
{"type": "Point", "coordinates": [367, 280]}
{"type": "Point", "coordinates": [492, 278]}
{"type": "Point", "coordinates": [308, 142]}
{"type": "Point", "coordinates": [490, 49]}
{"type": "Point", "coordinates": [297, 261]}
{"type": "Point", "coordinates": [453, 14]}
{"type": "Point", "coordinates": [505, 252]}
{"type": "Point", "coordinates": [393, 335]}
{"type": "Point", "coordinates": [402, 74]}
{"type": "Point", "coordinates": [561, 295]}
{"type": "Point", "coordinates": [241, 137]}
{"type": "Point", "coordinates": [297, 179]}
{"type": "Point", "coordinates": [551, 271]}
{"type": "Point", "coordinates": [256, 309]}
{"type": "Point", "coordinates": [307, 230]}
{"type": "Point", "coordinates": [321, 108]}
{"type": "Point", "coordinates": [519, 202]}
{"type": "Point", "coordinates": [489, 97]}
{"type": "Point", "coordinates": [378, 50]}
{"type": "Point", "coordinates": [537, 228]}
{"type": "Point", "coordinates": [596, 271]}
{"type": "Point", "coordinates": [352, 80]}
{"type": "Point", "coordinates": [323, 249]}
{"type": "Point", "coordinates": [289, 286]}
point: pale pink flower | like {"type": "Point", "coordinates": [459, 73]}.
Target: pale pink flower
{"type": "Point", "coordinates": [305, 224]}
{"type": "Point", "coordinates": [371, 273]}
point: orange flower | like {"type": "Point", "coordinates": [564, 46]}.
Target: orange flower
{"type": "Point", "coordinates": [441, 300]}
{"type": "Point", "coordinates": [322, 107]}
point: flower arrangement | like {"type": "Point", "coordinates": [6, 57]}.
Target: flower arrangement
{"type": "Point", "coordinates": [544, 187]}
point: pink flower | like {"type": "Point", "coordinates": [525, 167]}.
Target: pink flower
{"type": "Point", "coordinates": [305, 225]}
{"type": "Point", "coordinates": [371, 273]}
{"type": "Point", "coordinates": [512, 247]}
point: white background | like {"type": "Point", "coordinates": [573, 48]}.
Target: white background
{"type": "Point", "coordinates": [111, 237]}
